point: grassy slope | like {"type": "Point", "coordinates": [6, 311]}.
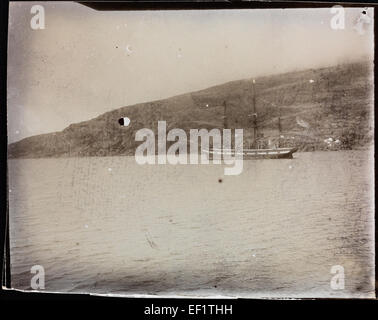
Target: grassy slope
{"type": "Point", "coordinates": [337, 104]}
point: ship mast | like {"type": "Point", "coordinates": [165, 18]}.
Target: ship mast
{"type": "Point", "coordinates": [279, 127]}
{"type": "Point", "coordinates": [254, 114]}
{"type": "Point", "coordinates": [225, 124]}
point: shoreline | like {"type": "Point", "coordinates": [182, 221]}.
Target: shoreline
{"type": "Point", "coordinates": [361, 148]}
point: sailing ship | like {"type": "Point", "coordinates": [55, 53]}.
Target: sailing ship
{"type": "Point", "coordinates": [255, 153]}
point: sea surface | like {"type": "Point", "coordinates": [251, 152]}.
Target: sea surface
{"type": "Point", "coordinates": [110, 226]}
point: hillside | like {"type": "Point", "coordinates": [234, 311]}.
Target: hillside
{"type": "Point", "coordinates": [315, 105]}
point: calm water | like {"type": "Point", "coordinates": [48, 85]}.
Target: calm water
{"type": "Point", "coordinates": [108, 225]}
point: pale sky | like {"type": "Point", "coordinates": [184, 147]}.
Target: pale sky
{"type": "Point", "coordinates": [88, 62]}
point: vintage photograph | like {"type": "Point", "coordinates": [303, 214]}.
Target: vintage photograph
{"type": "Point", "coordinates": [191, 153]}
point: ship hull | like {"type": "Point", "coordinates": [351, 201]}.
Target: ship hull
{"type": "Point", "coordinates": [255, 154]}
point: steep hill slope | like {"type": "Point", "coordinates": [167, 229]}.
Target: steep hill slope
{"type": "Point", "coordinates": [314, 105]}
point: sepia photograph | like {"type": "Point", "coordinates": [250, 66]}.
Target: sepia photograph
{"type": "Point", "coordinates": [214, 153]}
